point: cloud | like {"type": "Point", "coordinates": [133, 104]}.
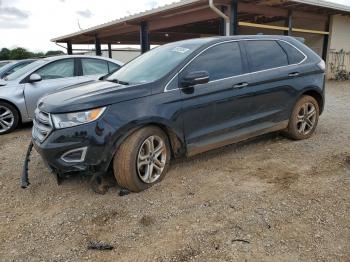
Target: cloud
{"type": "Point", "coordinates": [12, 17]}
{"type": "Point", "coordinates": [13, 12]}
{"type": "Point", "coordinates": [85, 13]}
{"type": "Point", "coordinates": [151, 4]}
{"type": "Point", "coordinates": [11, 25]}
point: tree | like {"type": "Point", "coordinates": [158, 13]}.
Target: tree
{"type": "Point", "coordinates": [4, 54]}
{"type": "Point", "coordinates": [53, 53]}
{"type": "Point", "coordinates": [20, 53]}
{"type": "Point", "coordinates": [38, 55]}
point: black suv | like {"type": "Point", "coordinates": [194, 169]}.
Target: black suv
{"type": "Point", "coordinates": [181, 99]}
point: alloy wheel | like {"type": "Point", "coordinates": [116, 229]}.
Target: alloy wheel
{"type": "Point", "coordinates": [306, 118]}
{"type": "Point", "coordinates": [151, 159]}
{"type": "Point", "coordinates": [7, 119]}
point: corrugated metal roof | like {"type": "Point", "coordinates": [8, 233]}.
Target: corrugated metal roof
{"type": "Point", "coordinates": [131, 17]}
{"type": "Point", "coordinates": [325, 4]}
{"type": "Point", "coordinates": [181, 3]}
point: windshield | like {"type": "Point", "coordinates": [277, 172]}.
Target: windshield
{"type": "Point", "coordinates": [6, 67]}
{"type": "Point", "coordinates": [3, 63]}
{"type": "Point", "coordinates": [156, 63]}
{"type": "Point", "coordinates": [24, 70]}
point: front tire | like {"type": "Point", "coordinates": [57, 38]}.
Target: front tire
{"type": "Point", "coordinates": [304, 119]}
{"type": "Point", "coordinates": [9, 118]}
{"type": "Point", "coordinates": [142, 160]}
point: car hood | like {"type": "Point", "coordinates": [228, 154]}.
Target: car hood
{"type": "Point", "coordinates": [91, 95]}
{"type": "Point", "coordinates": [3, 82]}
{"type": "Point", "coordinates": [8, 84]}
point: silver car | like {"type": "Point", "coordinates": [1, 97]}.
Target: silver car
{"type": "Point", "coordinates": [20, 91]}
{"type": "Point", "coordinates": [13, 66]}
{"type": "Point", "coordinates": [3, 63]}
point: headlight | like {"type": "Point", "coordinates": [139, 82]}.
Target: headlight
{"type": "Point", "coordinates": [77, 118]}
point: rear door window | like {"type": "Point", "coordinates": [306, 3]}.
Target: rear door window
{"type": "Point", "coordinates": [265, 54]}
{"type": "Point", "coordinates": [94, 66]}
{"type": "Point", "coordinates": [220, 61]}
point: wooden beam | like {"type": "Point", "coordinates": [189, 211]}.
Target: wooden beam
{"type": "Point", "coordinates": [282, 28]}
{"type": "Point", "coordinates": [310, 31]}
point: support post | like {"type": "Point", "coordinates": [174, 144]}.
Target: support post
{"type": "Point", "coordinates": [222, 25]}
{"type": "Point", "coordinates": [326, 40]}
{"type": "Point", "coordinates": [69, 48]}
{"type": "Point", "coordinates": [109, 50]}
{"type": "Point", "coordinates": [289, 23]}
{"type": "Point", "coordinates": [234, 17]}
{"type": "Point", "coordinates": [144, 37]}
{"type": "Point", "coordinates": [98, 45]}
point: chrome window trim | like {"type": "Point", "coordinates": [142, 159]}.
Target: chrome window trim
{"type": "Point", "coordinates": [250, 73]}
{"type": "Point", "coordinates": [201, 78]}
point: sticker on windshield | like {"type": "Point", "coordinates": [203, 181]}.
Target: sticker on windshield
{"type": "Point", "coordinates": [181, 50]}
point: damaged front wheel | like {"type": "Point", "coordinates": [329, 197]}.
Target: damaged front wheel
{"type": "Point", "coordinates": [143, 159]}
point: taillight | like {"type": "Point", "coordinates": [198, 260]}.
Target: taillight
{"type": "Point", "coordinates": [322, 65]}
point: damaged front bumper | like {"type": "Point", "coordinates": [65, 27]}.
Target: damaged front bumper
{"type": "Point", "coordinates": [85, 149]}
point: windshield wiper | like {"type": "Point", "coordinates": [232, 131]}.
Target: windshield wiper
{"type": "Point", "coordinates": [118, 82]}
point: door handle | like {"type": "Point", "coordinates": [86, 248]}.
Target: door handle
{"type": "Point", "coordinates": [294, 74]}
{"type": "Point", "coordinates": [240, 85]}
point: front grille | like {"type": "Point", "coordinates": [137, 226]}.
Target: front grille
{"type": "Point", "coordinates": [42, 126]}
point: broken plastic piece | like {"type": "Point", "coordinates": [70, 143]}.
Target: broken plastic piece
{"type": "Point", "coordinates": [25, 176]}
{"type": "Point", "coordinates": [99, 246]}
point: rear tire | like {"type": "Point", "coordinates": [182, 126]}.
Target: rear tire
{"type": "Point", "coordinates": [142, 160]}
{"type": "Point", "coordinates": [304, 118]}
{"type": "Point", "coordinates": [9, 118]}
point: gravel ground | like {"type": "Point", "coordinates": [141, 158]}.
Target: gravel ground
{"type": "Point", "coordinates": [269, 199]}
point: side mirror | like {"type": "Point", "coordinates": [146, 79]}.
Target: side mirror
{"type": "Point", "coordinates": [195, 78]}
{"type": "Point", "coordinates": [34, 78]}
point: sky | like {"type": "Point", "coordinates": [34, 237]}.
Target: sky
{"type": "Point", "coordinates": [32, 23]}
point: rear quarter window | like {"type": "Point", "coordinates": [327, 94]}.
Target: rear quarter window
{"type": "Point", "coordinates": [294, 55]}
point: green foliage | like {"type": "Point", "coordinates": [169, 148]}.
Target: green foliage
{"type": "Point", "coordinates": [53, 53]}
{"type": "Point", "coordinates": [21, 53]}
{"type": "Point", "coordinates": [4, 54]}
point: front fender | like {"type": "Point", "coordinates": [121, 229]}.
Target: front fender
{"type": "Point", "coordinates": [175, 135]}
{"type": "Point", "coordinates": [15, 96]}
{"type": "Point", "coordinates": [171, 130]}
